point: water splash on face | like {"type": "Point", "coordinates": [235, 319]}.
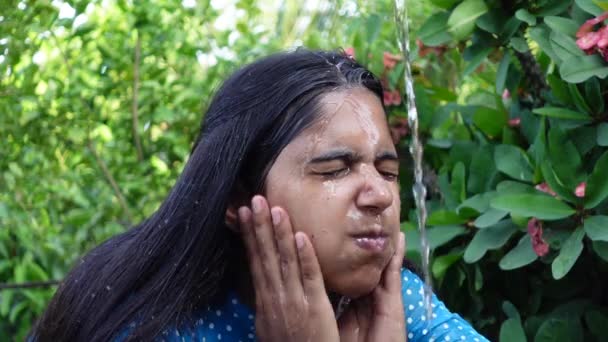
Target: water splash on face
{"type": "Point", "coordinates": [354, 214]}
{"type": "Point", "coordinates": [364, 117]}
{"type": "Point", "coordinates": [330, 187]}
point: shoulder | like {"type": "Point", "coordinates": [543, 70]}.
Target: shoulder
{"type": "Point", "coordinates": [231, 321]}
{"type": "Point", "coordinates": [437, 325]}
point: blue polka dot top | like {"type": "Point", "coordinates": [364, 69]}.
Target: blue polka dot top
{"type": "Point", "coordinates": [233, 321]}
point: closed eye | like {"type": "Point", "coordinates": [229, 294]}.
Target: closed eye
{"type": "Point", "coordinates": [335, 173]}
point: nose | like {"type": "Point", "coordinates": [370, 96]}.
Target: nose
{"type": "Point", "coordinates": [375, 194]}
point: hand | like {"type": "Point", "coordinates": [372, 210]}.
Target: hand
{"type": "Point", "coordinates": [378, 316]}
{"type": "Point", "coordinates": [291, 303]}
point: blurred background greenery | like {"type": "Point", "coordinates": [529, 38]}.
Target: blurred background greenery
{"type": "Point", "coordinates": [100, 102]}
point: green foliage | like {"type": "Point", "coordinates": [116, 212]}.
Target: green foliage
{"type": "Point", "coordinates": [531, 112]}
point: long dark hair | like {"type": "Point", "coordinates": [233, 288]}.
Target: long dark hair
{"type": "Point", "coordinates": [176, 261]}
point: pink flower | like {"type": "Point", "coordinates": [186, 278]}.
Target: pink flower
{"type": "Point", "coordinates": [535, 229]}
{"type": "Point", "coordinates": [390, 60]}
{"type": "Point", "coordinates": [544, 187]}
{"type": "Point", "coordinates": [603, 34]}
{"type": "Point", "coordinates": [592, 41]}
{"type": "Point", "coordinates": [580, 190]}
{"type": "Point", "coordinates": [506, 94]}
{"type": "Point", "coordinates": [514, 122]}
{"type": "Point", "coordinates": [589, 24]}
{"type": "Point", "coordinates": [588, 41]}
{"type": "Point", "coordinates": [350, 52]}
{"type": "Point", "coordinates": [392, 97]}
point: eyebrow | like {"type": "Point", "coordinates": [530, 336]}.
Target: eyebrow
{"type": "Point", "coordinates": [349, 156]}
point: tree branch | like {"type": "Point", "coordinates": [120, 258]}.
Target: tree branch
{"type": "Point", "coordinates": [108, 175]}
{"type": "Point", "coordinates": [134, 107]}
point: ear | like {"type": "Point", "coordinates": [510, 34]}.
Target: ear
{"type": "Point", "coordinates": [231, 219]}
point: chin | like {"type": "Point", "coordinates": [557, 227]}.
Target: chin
{"type": "Point", "coordinates": [358, 283]}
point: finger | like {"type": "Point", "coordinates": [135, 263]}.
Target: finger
{"type": "Point", "coordinates": [255, 264]}
{"type": "Point", "coordinates": [392, 274]}
{"type": "Point", "coordinates": [290, 267]}
{"type": "Point", "coordinates": [267, 250]}
{"type": "Point", "coordinates": [312, 279]}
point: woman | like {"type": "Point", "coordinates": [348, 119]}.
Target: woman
{"type": "Point", "coordinates": [293, 143]}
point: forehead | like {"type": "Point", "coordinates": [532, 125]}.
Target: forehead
{"type": "Point", "coordinates": [351, 118]}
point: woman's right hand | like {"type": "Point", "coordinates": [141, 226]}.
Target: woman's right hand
{"type": "Point", "coordinates": [291, 302]}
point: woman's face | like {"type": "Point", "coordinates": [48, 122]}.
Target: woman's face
{"type": "Point", "coordinates": [338, 183]}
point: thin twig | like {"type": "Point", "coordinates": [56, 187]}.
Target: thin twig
{"type": "Point", "coordinates": [106, 172]}
{"type": "Point", "coordinates": [135, 114]}
{"type": "Point", "coordinates": [29, 285]}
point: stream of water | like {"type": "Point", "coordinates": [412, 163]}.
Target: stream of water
{"type": "Point", "coordinates": [416, 148]}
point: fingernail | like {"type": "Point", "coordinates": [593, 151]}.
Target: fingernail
{"type": "Point", "coordinates": [256, 204]}
{"type": "Point", "coordinates": [299, 240]}
{"type": "Point", "coordinates": [243, 213]}
{"type": "Point", "coordinates": [276, 216]}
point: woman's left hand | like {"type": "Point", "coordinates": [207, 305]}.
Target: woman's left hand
{"type": "Point", "coordinates": [378, 316]}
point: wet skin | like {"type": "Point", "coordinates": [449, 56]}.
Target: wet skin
{"type": "Point", "coordinates": [337, 181]}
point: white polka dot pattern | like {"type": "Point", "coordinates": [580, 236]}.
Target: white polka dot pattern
{"type": "Point", "coordinates": [234, 321]}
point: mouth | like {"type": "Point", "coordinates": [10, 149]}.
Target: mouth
{"type": "Point", "coordinates": [373, 242]}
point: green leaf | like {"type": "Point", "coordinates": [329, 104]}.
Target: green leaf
{"type": "Point", "coordinates": [525, 16]}
{"type": "Point", "coordinates": [512, 187]}
{"type": "Point", "coordinates": [561, 113]}
{"type": "Point", "coordinates": [601, 248]}
{"type": "Point", "coordinates": [443, 262]}
{"type": "Point", "coordinates": [458, 185]}
{"type": "Point", "coordinates": [563, 25]}
{"type": "Point", "coordinates": [445, 4]}
{"type": "Point", "coordinates": [490, 120]}
{"type": "Point", "coordinates": [512, 331]}
{"type": "Point", "coordinates": [597, 323]}
{"type": "Point", "coordinates": [556, 184]}
{"type": "Point", "coordinates": [589, 7]}
{"type": "Point", "coordinates": [553, 7]}
{"type": "Point", "coordinates": [578, 69]}
{"type": "Point", "coordinates": [437, 236]}
{"type": "Point", "coordinates": [462, 20]}
{"type": "Point", "coordinates": [502, 72]}
{"type": "Point", "coordinates": [513, 162]}
{"type": "Point", "coordinates": [490, 218]}
{"type": "Point", "coordinates": [479, 202]}
{"type": "Point", "coordinates": [597, 183]}
{"type": "Point", "coordinates": [519, 44]}
{"type": "Point", "coordinates": [539, 205]}
{"type": "Point", "coordinates": [593, 96]}
{"type": "Point", "coordinates": [596, 227]}
{"type": "Point", "coordinates": [476, 60]}
{"type": "Point", "coordinates": [510, 310]}
{"type": "Point", "coordinates": [602, 134]}
{"type": "Point", "coordinates": [568, 254]}
{"type": "Point", "coordinates": [565, 159]}
{"type": "Point", "coordinates": [521, 255]}
{"type": "Point", "coordinates": [564, 46]}
{"type": "Point", "coordinates": [603, 4]}
{"type": "Point", "coordinates": [444, 217]}
{"type": "Point", "coordinates": [540, 34]}
{"type": "Point", "coordinates": [559, 89]}
{"type": "Point", "coordinates": [579, 100]}
{"type": "Point", "coordinates": [373, 26]}
{"type": "Point", "coordinates": [559, 329]}
{"type": "Point", "coordinates": [490, 238]}
{"type": "Point", "coordinates": [434, 31]}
